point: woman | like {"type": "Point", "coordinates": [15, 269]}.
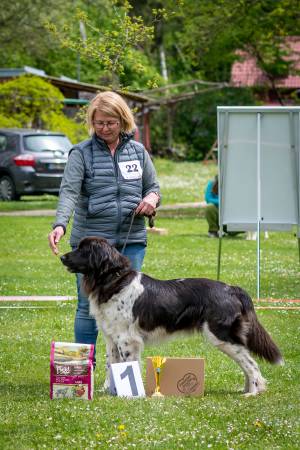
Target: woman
{"type": "Point", "coordinates": [107, 178]}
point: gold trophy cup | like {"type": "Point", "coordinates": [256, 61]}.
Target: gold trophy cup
{"type": "Point", "coordinates": [158, 362]}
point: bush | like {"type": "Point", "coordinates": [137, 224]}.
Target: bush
{"type": "Point", "coordinates": [32, 102]}
{"type": "Point", "coordinates": [76, 132]}
{"type": "Point", "coordinates": [29, 100]}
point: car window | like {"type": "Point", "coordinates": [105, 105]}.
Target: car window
{"type": "Point", "coordinates": [40, 143]}
{"type": "Point", "coordinates": [3, 142]}
{"type": "Point", "coordinates": [12, 142]}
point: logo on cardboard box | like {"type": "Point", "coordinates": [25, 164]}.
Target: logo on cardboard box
{"type": "Point", "coordinates": [188, 384]}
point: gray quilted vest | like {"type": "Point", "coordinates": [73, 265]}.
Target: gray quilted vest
{"type": "Point", "coordinates": [112, 188]}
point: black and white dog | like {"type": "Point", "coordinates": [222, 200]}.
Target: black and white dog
{"type": "Point", "coordinates": [132, 308]}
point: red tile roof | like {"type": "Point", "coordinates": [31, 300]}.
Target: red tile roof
{"type": "Point", "coordinates": [245, 72]}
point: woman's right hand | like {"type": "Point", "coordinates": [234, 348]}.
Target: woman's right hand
{"type": "Point", "coordinates": [54, 237]}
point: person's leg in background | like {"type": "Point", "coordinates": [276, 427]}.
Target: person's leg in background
{"type": "Point", "coordinates": [85, 325]}
{"type": "Point", "coordinates": [212, 216]}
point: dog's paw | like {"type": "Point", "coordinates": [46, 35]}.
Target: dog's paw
{"type": "Point", "coordinates": [255, 387]}
{"type": "Point", "coordinates": [250, 394]}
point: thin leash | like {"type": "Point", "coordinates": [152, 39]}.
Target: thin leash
{"type": "Point", "coordinates": [132, 213]}
{"type": "Point", "coordinates": [129, 231]}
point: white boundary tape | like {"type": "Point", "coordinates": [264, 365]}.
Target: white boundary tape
{"type": "Point", "coordinates": [27, 307]}
{"type": "Point", "coordinates": [36, 298]}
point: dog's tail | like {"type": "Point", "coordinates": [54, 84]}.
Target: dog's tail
{"type": "Point", "coordinates": [258, 340]}
{"type": "Point", "coordinates": [261, 343]}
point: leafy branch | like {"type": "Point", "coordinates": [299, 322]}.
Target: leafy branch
{"type": "Point", "coordinates": [110, 46]}
{"type": "Point", "coordinates": [114, 44]}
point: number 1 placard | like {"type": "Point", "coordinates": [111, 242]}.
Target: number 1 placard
{"type": "Point", "coordinates": [126, 380]}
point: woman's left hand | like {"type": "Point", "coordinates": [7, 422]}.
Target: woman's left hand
{"type": "Point", "coordinates": [147, 205]}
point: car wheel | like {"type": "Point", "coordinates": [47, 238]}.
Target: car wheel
{"type": "Point", "coordinates": [7, 189]}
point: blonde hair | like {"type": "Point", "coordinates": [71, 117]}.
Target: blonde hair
{"type": "Point", "coordinates": [113, 105]}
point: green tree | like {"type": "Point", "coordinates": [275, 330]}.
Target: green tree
{"type": "Point", "coordinates": [163, 50]}
{"type": "Point", "coordinates": [214, 30]}
{"type": "Point", "coordinates": [24, 41]}
{"type": "Point", "coordinates": [201, 39]}
{"type": "Point", "coordinates": [120, 41]}
{"type": "Point", "coordinates": [195, 123]}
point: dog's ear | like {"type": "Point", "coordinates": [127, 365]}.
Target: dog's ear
{"type": "Point", "coordinates": [97, 255]}
{"type": "Point", "coordinates": [104, 258]}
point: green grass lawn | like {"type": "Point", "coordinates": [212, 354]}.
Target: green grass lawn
{"type": "Point", "coordinates": [29, 268]}
{"type": "Point", "coordinates": [184, 181]}
{"type": "Point", "coordinates": [29, 203]}
{"type": "Point", "coordinates": [221, 419]}
{"type": "Point", "coordinates": [180, 182]}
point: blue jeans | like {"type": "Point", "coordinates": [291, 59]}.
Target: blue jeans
{"type": "Point", "coordinates": [85, 326]}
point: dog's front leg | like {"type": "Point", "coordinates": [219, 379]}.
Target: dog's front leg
{"type": "Point", "coordinates": [130, 349]}
{"type": "Point", "coordinates": [112, 356]}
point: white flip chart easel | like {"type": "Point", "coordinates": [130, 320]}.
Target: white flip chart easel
{"type": "Point", "coordinates": [259, 183]}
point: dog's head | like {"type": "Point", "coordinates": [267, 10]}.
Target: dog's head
{"type": "Point", "coordinates": [95, 255]}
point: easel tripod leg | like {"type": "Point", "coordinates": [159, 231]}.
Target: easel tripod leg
{"type": "Point", "coordinates": [219, 256]}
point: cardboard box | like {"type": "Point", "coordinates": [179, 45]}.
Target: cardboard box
{"type": "Point", "coordinates": [71, 370]}
{"type": "Point", "coordinates": [179, 377]}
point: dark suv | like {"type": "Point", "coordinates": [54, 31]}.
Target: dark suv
{"type": "Point", "coordinates": [31, 162]}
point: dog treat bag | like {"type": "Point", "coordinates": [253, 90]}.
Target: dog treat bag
{"type": "Point", "coordinates": [71, 370]}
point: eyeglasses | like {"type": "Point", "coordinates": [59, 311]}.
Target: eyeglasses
{"type": "Point", "coordinates": [109, 124]}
